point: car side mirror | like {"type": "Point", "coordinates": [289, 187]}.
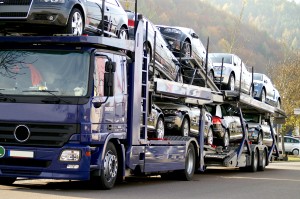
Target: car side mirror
{"type": "Point", "coordinates": [234, 64]}
{"type": "Point", "coordinates": [195, 36]}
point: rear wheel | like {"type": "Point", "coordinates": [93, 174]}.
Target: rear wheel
{"type": "Point", "coordinates": [254, 162]}
{"type": "Point", "coordinates": [190, 160]}
{"type": "Point", "coordinates": [123, 34]}
{"type": "Point", "coordinates": [75, 24]}
{"type": "Point", "coordinates": [210, 137]}
{"type": "Point", "coordinates": [210, 75]}
{"type": "Point", "coordinates": [263, 161]}
{"type": "Point", "coordinates": [263, 96]}
{"type": "Point", "coordinates": [160, 128]}
{"type": "Point", "coordinates": [185, 127]}
{"type": "Point", "coordinates": [7, 180]}
{"type": "Point", "coordinates": [225, 139]}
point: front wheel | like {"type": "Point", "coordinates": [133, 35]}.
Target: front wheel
{"type": "Point", "coordinates": [295, 152]}
{"type": "Point", "coordinates": [110, 169]}
{"type": "Point", "coordinates": [160, 128]}
{"type": "Point", "coordinates": [186, 49]}
{"type": "Point", "coordinates": [75, 24]}
{"type": "Point", "coordinates": [190, 160]}
{"type": "Point", "coordinates": [185, 127]}
{"type": "Point", "coordinates": [123, 34]}
{"type": "Point", "coordinates": [263, 96]}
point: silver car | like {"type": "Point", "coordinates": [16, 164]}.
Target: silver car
{"type": "Point", "coordinates": [229, 76]}
{"type": "Point", "coordinates": [265, 91]}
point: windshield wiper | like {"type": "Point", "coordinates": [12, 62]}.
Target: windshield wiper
{"type": "Point", "coordinates": [4, 97]}
{"type": "Point", "coordinates": [49, 100]}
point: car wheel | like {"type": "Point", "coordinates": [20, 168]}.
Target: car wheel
{"type": "Point", "coordinates": [279, 104]}
{"type": "Point", "coordinates": [295, 152]}
{"type": "Point", "coordinates": [225, 139]}
{"type": "Point", "coordinates": [260, 138]}
{"type": "Point", "coordinates": [75, 24]}
{"type": "Point", "coordinates": [149, 53]}
{"type": "Point", "coordinates": [123, 34]}
{"type": "Point", "coordinates": [109, 172]}
{"type": "Point", "coordinates": [185, 127]}
{"type": "Point", "coordinates": [190, 163]}
{"type": "Point", "coordinates": [263, 161]}
{"type": "Point", "coordinates": [7, 180]}
{"type": "Point", "coordinates": [210, 137]}
{"type": "Point", "coordinates": [231, 83]}
{"type": "Point", "coordinates": [263, 96]}
{"type": "Point", "coordinates": [186, 50]}
{"type": "Point", "coordinates": [254, 162]}
{"type": "Point", "coordinates": [160, 128]}
{"type": "Point", "coordinates": [211, 75]}
{"type": "Point", "coordinates": [251, 91]}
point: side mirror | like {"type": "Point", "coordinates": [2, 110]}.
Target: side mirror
{"type": "Point", "coordinates": [234, 64]}
{"type": "Point", "coordinates": [108, 84]}
{"type": "Point", "coordinates": [194, 35]}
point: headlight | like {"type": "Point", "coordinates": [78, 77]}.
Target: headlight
{"type": "Point", "coordinates": [70, 156]}
{"type": "Point", "coordinates": [171, 112]}
{"type": "Point", "coordinates": [52, 1]}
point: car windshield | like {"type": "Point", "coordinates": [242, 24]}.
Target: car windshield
{"type": "Point", "coordinates": [251, 118]}
{"type": "Point", "coordinates": [217, 58]}
{"type": "Point", "coordinates": [169, 30]}
{"type": "Point", "coordinates": [258, 77]}
{"type": "Point", "coordinates": [30, 72]}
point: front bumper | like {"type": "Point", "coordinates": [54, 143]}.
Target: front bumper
{"type": "Point", "coordinates": [45, 163]}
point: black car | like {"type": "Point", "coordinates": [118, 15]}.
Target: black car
{"type": "Point", "coordinates": [167, 66]}
{"type": "Point", "coordinates": [62, 16]}
{"type": "Point", "coordinates": [184, 42]}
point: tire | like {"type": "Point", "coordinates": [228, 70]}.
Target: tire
{"type": "Point", "coordinates": [260, 138]}
{"type": "Point", "coordinates": [75, 23]}
{"type": "Point", "coordinates": [185, 127]}
{"type": "Point", "coordinates": [160, 128]}
{"type": "Point", "coordinates": [264, 162]}
{"type": "Point", "coordinates": [186, 50]}
{"type": "Point", "coordinates": [110, 169]}
{"type": "Point", "coordinates": [278, 104]}
{"type": "Point", "coordinates": [225, 139]}
{"type": "Point", "coordinates": [295, 152]}
{"type": "Point", "coordinates": [210, 137]}
{"type": "Point", "coordinates": [123, 34]}
{"type": "Point", "coordinates": [254, 161]}
{"type": "Point", "coordinates": [210, 75]}
{"type": "Point", "coordinates": [190, 162]}
{"type": "Point", "coordinates": [251, 91]}
{"type": "Point", "coordinates": [7, 180]}
{"type": "Point", "coordinates": [262, 97]}
{"type": "Point", "coordinates": [231, 82]}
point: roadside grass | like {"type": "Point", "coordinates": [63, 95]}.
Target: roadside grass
{"type": "Point", "coordinates": [293, 158]}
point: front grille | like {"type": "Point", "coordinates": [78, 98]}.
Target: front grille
{"type": "Point", "coordinates": [42, 135]}
{"type": "Point", "coordinates": [13, 14]}
{"type": "Point", "coordinates": [15, 2]}
{"type": "Point", "coordinates": [24, 162]}
{"type": "Point", "coordinates": [20, 172]}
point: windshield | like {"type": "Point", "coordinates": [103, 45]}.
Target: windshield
{"type": "Point", "coordinates": [64, 73]}
{"type": "Point", "coordinates": [258, 77]}
{"type": "Point", "coordinates": [251, 118]}
{"type": "Point", "coordinates": [217, 58]}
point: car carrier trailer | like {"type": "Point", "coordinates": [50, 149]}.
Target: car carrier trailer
{"type": "Point", "coordinates": [96, 133]}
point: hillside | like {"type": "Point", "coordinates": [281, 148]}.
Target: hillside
{"type": "Point", "coordinates": [256, 47]}
{"type": "Point", "coordinates": [278, 18]}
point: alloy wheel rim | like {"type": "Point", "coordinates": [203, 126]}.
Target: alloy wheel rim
{"type": "Point", "coordinates": [123, 34]}
{"type": "Point", "coordinates": [186, 50]}
{"type": "Point", "coordinates": [77, 24]}
{"type": "Point", "coordinates": [185, 129]}
{"type": "Point", "coordinates": [232, 83]}
{"type": "Point", "coordinates": [110, 166]}
{"type": "Point", "coordinates": [210, 137]}
{"type": "Point", "coordinates": [160, 129]}
{"type": "Point", "coordinates": [226, 139]}
{"type": "Point", "coordinates": [190, 164]}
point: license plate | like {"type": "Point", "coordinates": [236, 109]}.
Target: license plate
{"type": "Point", "coordinates": [20, 154]}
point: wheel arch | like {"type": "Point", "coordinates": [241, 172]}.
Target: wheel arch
{"type": "Point", "coordinates": [82, 10]}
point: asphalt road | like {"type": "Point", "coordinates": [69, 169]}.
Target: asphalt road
{"type": "Point", "coordinates": [279, 180]}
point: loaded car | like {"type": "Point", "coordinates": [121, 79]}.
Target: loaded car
{"type": "Point", "coordinates": [183, 42]}
{"type": "Point", "coordinates": [62, 16]}
{"type": "Point", "coordinates": [168, 66]}
{"type": "Point", "coordinates": [227, 127]}
{"type": "Point", "coordinates": [230, 74]}
{"type": "Point", "coordinates": [183, 120]}
{"type": "Point", "coordinates": [265, 91]}
{"type": "Point", "coordinates": [291, 145]}
{"type": "Point", "coordinates": [156, 126]}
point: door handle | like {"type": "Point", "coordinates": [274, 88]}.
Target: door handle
{"type": "Point", "coordinates": [107, 8]}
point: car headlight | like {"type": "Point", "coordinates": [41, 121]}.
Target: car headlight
{"type": "Point", "coordinates": [171, 112]}
{"type": "Point", "coordinates": [70, 155]}
{"type": "Point", "coordinates": [52, 1]}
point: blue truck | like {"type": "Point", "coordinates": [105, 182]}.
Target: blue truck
{"type": "Point", "coordinates": [71, 108]}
